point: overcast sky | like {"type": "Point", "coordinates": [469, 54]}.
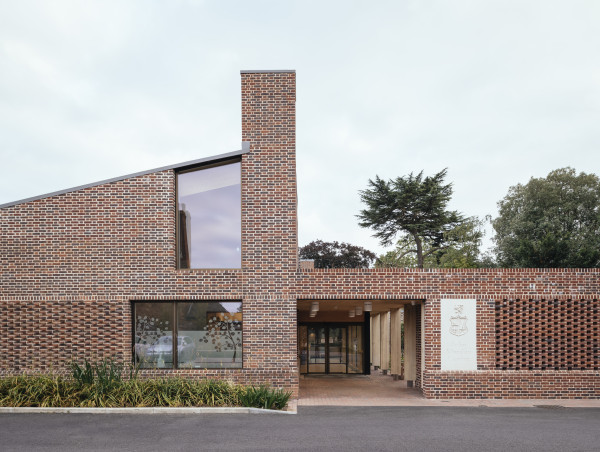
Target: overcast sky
{"type": "Point", "coordinates": [497, 91]}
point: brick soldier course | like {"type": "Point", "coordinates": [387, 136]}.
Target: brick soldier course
{"type": "Point", "coordinates": [73, 262]}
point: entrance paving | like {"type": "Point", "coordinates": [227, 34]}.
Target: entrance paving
{"type": "Point", "coordinates": [381, 390]}
{"type": "Point", "coordinates": [356, 390]}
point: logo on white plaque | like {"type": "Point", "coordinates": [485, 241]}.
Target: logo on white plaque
{"type": "Point", "coordinates": [458, 322]}
{"type": "Point", "coordinates": [458, 347]}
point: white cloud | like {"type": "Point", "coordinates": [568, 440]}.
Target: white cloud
{"type": "Point", "coordinates": [496, 91]}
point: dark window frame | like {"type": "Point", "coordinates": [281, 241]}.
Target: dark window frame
{"type": "Point", "coordinates": [190, 169]}
{"type": "Point", "coordinates": [175, 331]}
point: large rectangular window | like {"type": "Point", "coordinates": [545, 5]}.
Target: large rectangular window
{"type": "Point", "coordinates": [209, 206]}
{"type": "Point", "coordinates": [207, 334]}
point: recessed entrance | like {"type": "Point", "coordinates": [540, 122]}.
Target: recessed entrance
{"type": "Point", "coordinates": [331, 348]}
{"type": "Point", "coordinates": [351, 337]}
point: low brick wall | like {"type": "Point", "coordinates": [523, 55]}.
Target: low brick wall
{"type": "Point", "coordinates": [501, 384]}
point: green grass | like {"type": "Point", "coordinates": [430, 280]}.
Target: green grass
{"type": "Point", "coordinates": [101, 384]}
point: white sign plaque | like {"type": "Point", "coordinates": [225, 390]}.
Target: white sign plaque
{"type": "Point", "coordinates": [459, 334]}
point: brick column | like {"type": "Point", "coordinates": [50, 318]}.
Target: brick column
{"type": "Point", "coordinates": [269, 225]}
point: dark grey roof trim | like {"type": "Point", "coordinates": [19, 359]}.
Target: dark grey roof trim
{"type": "Point", "coordinates": [268, 71]}
{"type": "Point", "coordinates": [215, 158]}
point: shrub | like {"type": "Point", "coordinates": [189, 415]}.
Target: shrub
{"type": "Point", "coordinates": [101, 384]}
{"type": "Point", "coordinates": [264, 397]}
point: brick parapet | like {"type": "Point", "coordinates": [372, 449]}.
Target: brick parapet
{"type": "Point", "coordinates": [481, 284]}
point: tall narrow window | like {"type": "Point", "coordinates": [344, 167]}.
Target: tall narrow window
{"type": "Point", "coordinates": [209, 208]}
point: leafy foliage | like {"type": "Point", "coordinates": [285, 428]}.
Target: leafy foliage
{"type": "Point", "coordinates": [462, 250]}
{"type": "Point", "coordinates": [414, 208]}
{"type": "Point", "coordinates": [106, 389]}
{"type": "Point", "coordinates": [104, 373]}
{"type": "Point", "coordinates": [337, 255]}
{"type": "Point", "coordinates": [264, 397]}
{"type": "Point", "coordinates": [550, 222]}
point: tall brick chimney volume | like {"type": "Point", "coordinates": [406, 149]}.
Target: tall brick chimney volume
{"type": "Point", "coordinates": [269, 179]}
{"type": "Point", "coordinates": [269, 225]}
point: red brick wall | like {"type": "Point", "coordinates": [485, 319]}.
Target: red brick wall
{"type": "Point", "coordinates": [269, 226]}
{"type": "Point", "coordinates": [488, 287]}
{"type": "Point", "coordinates": [71, 264]}
{"type": "Point", "coordinates": [554, 334]}
{"type": "Point", "coordinates": [482, 284]}
{"type": "Point", "coordinates": [501, 384]}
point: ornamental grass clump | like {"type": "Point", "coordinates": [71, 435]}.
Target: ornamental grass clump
{"type": "Point", "coordinates": [105, 374]}
{"type": "Point", "coordinates": [264, 396]}
{"type": "Point", "coordinates": [36, 391]}
{"type": "Point", "coordinates": [101, 384]}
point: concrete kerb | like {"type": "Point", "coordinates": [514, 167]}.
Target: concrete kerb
{"type": "Point", "coordinates": [143, 410]}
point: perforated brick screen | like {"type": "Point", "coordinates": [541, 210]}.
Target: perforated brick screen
{"type": "Point", "coordinates": [547, 334]}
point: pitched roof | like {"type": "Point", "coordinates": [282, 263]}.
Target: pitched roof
{"type": "Point", "coordinates": [245, 149]}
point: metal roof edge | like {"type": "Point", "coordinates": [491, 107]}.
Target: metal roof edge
{"type": "Point", "coordinates": [267, 71]}
{"type": "Point", "coordinates": [245, 149]}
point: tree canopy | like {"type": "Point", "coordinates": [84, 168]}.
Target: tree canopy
{"type": "Point", "coordinates": [462, 250]}
{"type": "Point", "coordinates": [337, 255]}
{"type": "Point", "coordinates": [412, 208]}
{"type": "Point", "coordinates": [550, 222]}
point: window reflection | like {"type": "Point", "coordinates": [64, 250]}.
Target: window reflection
{"type": "Point", "coordinates": [209, 215]}
{"type": "Point", "coordinates": [215, 330]}
{"type": "Point", "coordinates": [153, 341]}
{"type": "Point", "coordinates": [207, 334]}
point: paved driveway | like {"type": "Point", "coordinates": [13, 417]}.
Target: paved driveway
{"type": "Point", "coordinates": [313, 428]}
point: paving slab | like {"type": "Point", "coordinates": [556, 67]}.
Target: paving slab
{"type": "Point", "coordinates": [382, 390]}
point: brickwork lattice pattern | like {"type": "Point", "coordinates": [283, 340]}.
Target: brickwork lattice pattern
{"type": "Point", "coordinates": [547, 334]}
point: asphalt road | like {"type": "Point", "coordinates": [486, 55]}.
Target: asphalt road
{"type": "Point", "coordinates": [313, 428]}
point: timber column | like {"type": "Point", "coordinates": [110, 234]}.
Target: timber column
{"type": "Point", "coordinates": [396, 343]}
{"type": "Point", "coordinates": [376, 341]}
{"type": "Point", "coordinates": [410, 344]}
{"type": "Point", "coordinates": [384, 331]}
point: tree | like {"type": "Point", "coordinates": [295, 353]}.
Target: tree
{"type": "Point", "coordinates": [414, 208]}
{"type": "Point", "coordinates": [550, 222]}
{"type": "Point", "coordinates": [462, 250]}
{"type": "Point", "coordinates": [337, 255]}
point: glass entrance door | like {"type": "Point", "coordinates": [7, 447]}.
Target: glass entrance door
{"type": "Point", "coordinates": [355, 349]}
{"type": "Point", "coordinates": [317, 349]}
{"type": "Point", "coordinates": [330, 349]}
{"type": "Point", "coordinates": [337, 351]}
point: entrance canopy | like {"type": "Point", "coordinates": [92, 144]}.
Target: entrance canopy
{"type": "Point", "coordinates": [350, 336]}
{"type": "Point", "coordinates": [339, 310]}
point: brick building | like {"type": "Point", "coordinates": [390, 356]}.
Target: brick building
{"type": "Point", "coordinates": [193, 270]}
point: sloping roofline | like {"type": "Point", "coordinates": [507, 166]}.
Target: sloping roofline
{"type": "Point", "coordinates": [245, 149]}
